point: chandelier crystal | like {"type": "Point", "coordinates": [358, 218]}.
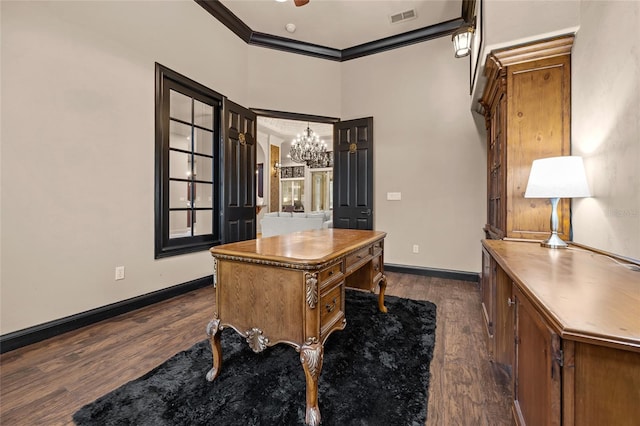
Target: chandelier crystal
{"type": "Point", "coordinates": [310, 150]}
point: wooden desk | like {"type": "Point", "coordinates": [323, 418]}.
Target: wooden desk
{"type": "Point", "coordinates": [566, 325]}
{"type": "Point", "coordinates": [290, 289]}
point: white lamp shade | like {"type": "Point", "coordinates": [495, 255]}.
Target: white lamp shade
{"type": "Point", "coordinates": [557, 177]}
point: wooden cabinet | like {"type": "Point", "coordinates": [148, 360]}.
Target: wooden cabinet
{"type": "Point", "coordinates": [497, 300]}
{"type": "Point", "coordinates": [566, 329]}
{"type": "Point", "coordinates": [527, 108]}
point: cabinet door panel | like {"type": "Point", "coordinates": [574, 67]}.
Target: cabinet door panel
{"type": "Point", "coordinates": [536, 371]}
{"type": "Point", "coordinates": [606, 386]}
{"type": "Point", "coordinates": [495, 166]}
{"type": "Point", "coordinates": [538, 128]}
{"type": "Point", "coordinates": [504, 321]}
{"type": "Point", "coordinates": [487, 285]}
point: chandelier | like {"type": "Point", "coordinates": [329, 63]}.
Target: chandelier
{"type": "Point", "coordinates": [310, 150]}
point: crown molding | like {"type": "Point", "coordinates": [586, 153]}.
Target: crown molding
{"type": "Point", "coordinates": [294, 116]}
{"type": "Point", "coordinates": [293, 46]}
{"type": "Point", "coordinates": [441, 29]}
{"type": "Point", "coordinates": [242, 30]}
{"type": "Point", "coordinates": [227, 18]}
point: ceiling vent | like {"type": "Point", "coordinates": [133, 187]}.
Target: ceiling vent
{"type": "Point", "coordinates": [403, 16]}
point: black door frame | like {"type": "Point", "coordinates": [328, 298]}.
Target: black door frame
{"type": "Point", "coordinates": [294, 116]}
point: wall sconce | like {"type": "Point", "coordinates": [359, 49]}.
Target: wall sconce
{"type": "Point", "coordinates": [276, 167]}
{"type": "Point", "coordinates": [555, 178]}
{"type": "Point", "coordinates": [462, 38]}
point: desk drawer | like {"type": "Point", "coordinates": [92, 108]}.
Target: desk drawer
{"type": "Point", "coordinates": [331, 305]}
{"type": "Point", "coordinates": [377, 248]}
{"type": "Point", "coordinates": [358, 256]}
{"type": "Point", "coordinates": [330, 274]}
{"type": "Point", "coordinates": [376, 265]}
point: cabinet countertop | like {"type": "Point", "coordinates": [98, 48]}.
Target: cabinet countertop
{"type": "Point", "coordinates": [585, 296]}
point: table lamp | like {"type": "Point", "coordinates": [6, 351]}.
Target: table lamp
{"type": "Point", "coordinates": [555, 178]}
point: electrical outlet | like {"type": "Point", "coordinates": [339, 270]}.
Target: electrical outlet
{"type": "Point", "coordinates": [119, 273]}
{"type": "Point", "coordinates": [416, 248]}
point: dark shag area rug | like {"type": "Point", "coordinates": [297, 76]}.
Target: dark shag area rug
{"type": "Point", "coordinates": [375, 372]}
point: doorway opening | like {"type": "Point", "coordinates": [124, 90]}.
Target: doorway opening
{"type": "Point", "coordinates": [295, 186]}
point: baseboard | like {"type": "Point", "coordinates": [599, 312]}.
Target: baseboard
{"type": "Point", "coordinates": [433, 272]}
{"type": "Point", "coordinates": [27, 336]}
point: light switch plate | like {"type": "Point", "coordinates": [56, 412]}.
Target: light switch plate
{"type": "Point", "coordinates": [394, 196]}
{"type": "Point", "coordinates": [119, 273]}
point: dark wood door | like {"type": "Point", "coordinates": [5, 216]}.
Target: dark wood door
{"type": "Point", "coordinates": [353, 174]}
{"type": "Point", "coordinates": [239, 185]}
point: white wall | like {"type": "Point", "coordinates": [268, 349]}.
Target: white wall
{"type": "Point", "coordinates": [427, 147]}
{"type": "Point", "coordinates": [78, 147]}
{"type": "Point", "coordinates": [606, 125]}
{"type": "Point", "coordinates": [77, 141]}
{"type": "Point", "coordinates": [509, 22]}
{"type": "Point", "coordinates": [283, 81]}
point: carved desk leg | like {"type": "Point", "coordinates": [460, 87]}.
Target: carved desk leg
{"type": "Point", "coordinates": [383, 288]}
{"type": "Point", "coordinates": [311, 359]}
{"type": "Point", "coordinates": [213, 331]}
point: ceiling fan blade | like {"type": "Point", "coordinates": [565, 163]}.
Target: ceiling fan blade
{"type": "Point", "coordinates": [300, 2]}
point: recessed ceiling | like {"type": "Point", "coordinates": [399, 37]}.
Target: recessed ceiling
{"type": "Point", "coordinates": [341, 24]}
{"type": "Point", "coordinates": [289, 129]}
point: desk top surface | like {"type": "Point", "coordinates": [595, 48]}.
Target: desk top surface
{"type": "Point", "coordinates": [305, 248]}
{"type": "Point", "coordinates": [586, 295]}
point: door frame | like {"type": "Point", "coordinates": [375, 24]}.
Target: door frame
{"type": "Point", "coordinates": [294, 116]}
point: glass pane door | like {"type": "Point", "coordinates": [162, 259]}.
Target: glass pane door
{"type": "Point", "coordinates": [292, 194]}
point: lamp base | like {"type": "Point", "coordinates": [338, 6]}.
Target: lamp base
{"type": "Point", "coordinates": [554, 242]}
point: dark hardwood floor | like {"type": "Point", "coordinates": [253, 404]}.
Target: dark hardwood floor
{"type": "Point", "coordinates": [45, 383]}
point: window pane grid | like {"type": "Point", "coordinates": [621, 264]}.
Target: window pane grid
{"type": "Point", "coordinates": [190, 201]}
{"type": "Point", "coordinates": [184, 151]}
{"type": "Point", "coordinates": [190, 123]}
{"type": "Point", "coordinates": [190, 180]}
{"type": "Point", "coordinates": [192, 171]}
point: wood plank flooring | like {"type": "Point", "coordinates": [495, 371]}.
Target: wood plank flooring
{"type": "Point", "coordinates": [45, 383]}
